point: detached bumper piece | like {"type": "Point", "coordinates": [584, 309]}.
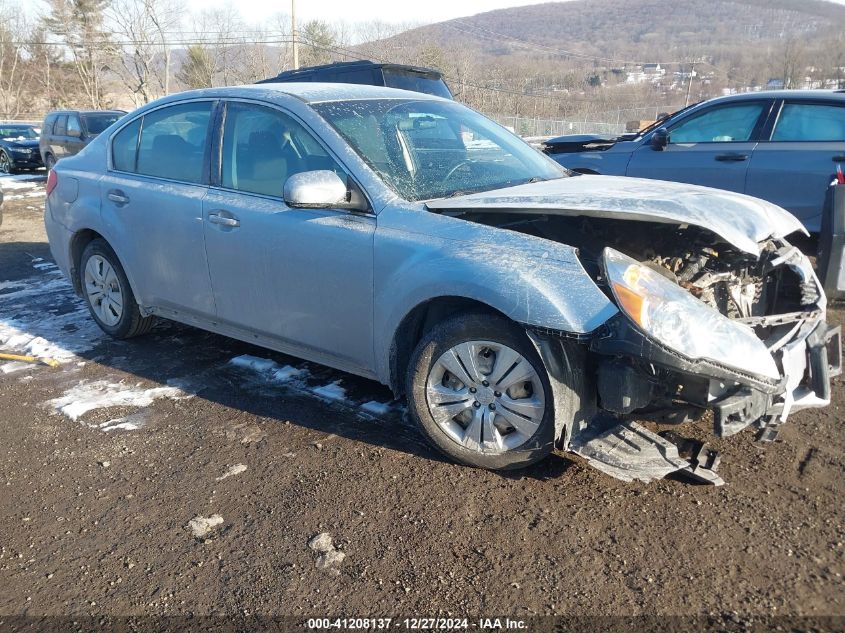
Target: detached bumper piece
{"type": "Point", "coordinates": [628, 451]}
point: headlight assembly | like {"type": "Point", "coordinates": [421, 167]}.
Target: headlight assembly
{"type": "Point", "coordinates": [673, 317]}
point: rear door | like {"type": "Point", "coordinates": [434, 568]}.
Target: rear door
{"type": "Point", "coordinates": [795, 167]}
{"type": "Point", "coordinates": [710, 147]}
{"type": "Point", "coordinates": [152, 205]}
{"type": "Point", "coordinates": [58, 137]}
{"type": "Point", "coordinates": [300, 277]}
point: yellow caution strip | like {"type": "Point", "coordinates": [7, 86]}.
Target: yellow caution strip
{"type": "Point", "coordinates": [30, 359]}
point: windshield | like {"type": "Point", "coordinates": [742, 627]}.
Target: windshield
{"type": "Point", "coordinates": [406, 80]}
{"type": "Point", "coordinates": [435, 149]}
{"type": "Point", "coordinates": [96, 123]}
{"type": "Point", "coordinates": [15, 132]}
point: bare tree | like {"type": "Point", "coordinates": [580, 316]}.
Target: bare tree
{"type": "Point", "coordinates": [15, 71]}
{"type": "Point", "coordinates": [144, 58]}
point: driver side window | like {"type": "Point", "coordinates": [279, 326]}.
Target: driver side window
{"type": "Point", "coordinates": [730, 124]}
{"type": "Point", "coordinates": [263, 147]}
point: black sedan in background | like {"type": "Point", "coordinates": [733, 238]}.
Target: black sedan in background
{"type": "Point", "coordinates": [19, 148]}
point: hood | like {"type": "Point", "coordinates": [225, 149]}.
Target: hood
{"type": "Point", "coordinates": [581, 138]}
{"type": "Point", "coordinates": [25, 142]}
{"type": "Point", "coordinates": [740, 220]}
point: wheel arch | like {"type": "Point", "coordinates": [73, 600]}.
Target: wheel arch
{"type": "Point", "coordinates": [419, 320]}
{"type": "Point", "coordinates": [78, 242]}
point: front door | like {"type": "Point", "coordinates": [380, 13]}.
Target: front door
{"type": "Point", "coordinates": [301, 277]}
{"type": "Point", "coordinates": [711, 148]}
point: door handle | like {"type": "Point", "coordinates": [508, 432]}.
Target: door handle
{"type": "Point", "coordinates": [222, 220]}
{"type": "Point", "coordinates": [732, 158]}
{"type": "Point", "coordinates": [839, 159]}
{"type": "Point", "coordinates": [118, 197]}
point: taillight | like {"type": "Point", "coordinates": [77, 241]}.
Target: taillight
{"type": "Point", "coordinates": [52, 181]}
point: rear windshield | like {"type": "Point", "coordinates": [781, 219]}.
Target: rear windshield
{"type": "Point", "coordinates": [417, 82]}
{"type": "Point", "coordinates": [96, 123]}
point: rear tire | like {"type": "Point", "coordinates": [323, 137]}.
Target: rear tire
{"type": "Point", "coordinates": [499, 391]}
{"type": "Point", "coordinates": [108, 294]}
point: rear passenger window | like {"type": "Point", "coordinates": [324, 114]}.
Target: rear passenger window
{"type": "Point", "coordinates": [124, 149]}
{"type": "Point", "coordinates": [262, 148]}
{"type": "Point", "coordinates": [173, 142]}
{"type": "Point", "coordinates": [61, 126]}
{"type": "Point", "coordinates": [48, 125]}
{"type": "Point", "coordinates": [810, 122]}
{"type": "Point", "coordinates": [73, 126]}
{"type": "Point", "coordinates": [357, 77]}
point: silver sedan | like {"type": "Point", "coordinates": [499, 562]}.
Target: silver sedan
{"type": "Point", "coordinates": [408, 239]}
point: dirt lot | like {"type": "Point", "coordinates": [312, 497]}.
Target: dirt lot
{"type": "Point", "coordinates": [107, 459]}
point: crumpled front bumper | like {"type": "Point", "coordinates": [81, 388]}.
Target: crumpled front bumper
{"type": "Point", "coordinates": [809, 361]}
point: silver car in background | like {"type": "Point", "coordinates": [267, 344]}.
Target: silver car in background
{"type": "Point", "coordinates": [408, 239]}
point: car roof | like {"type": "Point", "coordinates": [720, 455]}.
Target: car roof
{"type": "Point", "coordinates": [313, 92]}
{"type": "Point", "coordinates": [86, 112]}
{"type": "Point", "coordinates": [795, 95]}
{"type": "Point", "coordinates": [360, 63]}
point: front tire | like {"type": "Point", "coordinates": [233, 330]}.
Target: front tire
{"type": "Point", "coordinates": [108, 294]}
{"type": "Point", "coordinates": [480, 393]}
{"type": "Point", "coordinates": [49, 162]}
{"type": "Point", "coordinates": [6, 165]}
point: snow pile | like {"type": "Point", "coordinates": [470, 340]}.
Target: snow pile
{"type": "Point", "coordinates": [201, 526]}
{"type": "Point", "coordinates": [30, 323]}
{"type": "Point", "coordinates": [332, 391]}
{"type": "Point", "coordinates": [237, 469]}
{"type": "Point", "coordinates": [101, 394]}
{"type": "Point", "coordinates": [266, 368]}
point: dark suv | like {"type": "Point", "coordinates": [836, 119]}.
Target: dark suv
{"type": "Point", "coordinates": [66, 132]}
{"type": "Point", "coordinates": [412, 78]}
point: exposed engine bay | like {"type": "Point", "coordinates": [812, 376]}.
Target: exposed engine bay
{"type": "Point", "coordinates": [736, 283]}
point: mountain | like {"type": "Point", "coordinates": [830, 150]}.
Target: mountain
{"type": "Point", "coordinates": [609, 32]}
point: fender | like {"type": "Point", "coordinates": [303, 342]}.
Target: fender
{"type": "Point", "coordinates": [533, 281]}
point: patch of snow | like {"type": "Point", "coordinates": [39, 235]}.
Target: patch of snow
{"type": "Point", "coordinates": [120, 426]}
{"type": "Point", "coordinates": [266, 368]}
{"type": "Point", "coordinates": [201, 526]}
{"type": "Point", "coordinates": [321, 542]}
{"type": "Point", "coordinates": [31, 324]}
{"type": "Point", "coordinates": [21, 181]}
{"type": "Point", "coordinates": [332, 391]}
{"type": "Point", "coordinates": [376, 408]}
{"type": "Point", "coordinates": [101, 394]}
{"type": "Point", "coordinates": [237, 469]}
{"type": "Point", "coordinates": [13, 366]}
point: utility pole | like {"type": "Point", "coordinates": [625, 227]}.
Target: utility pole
{"type": "Point", "coordinates": [689, 85]}
{"type": "Point", "coordinates": [293, 34]}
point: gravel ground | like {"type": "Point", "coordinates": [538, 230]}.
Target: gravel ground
{"type": "Point", "coordinates": [158, 477]}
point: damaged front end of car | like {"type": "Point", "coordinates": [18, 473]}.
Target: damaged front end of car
{"type": "Point", "coordinates": [709, 328]}
{"type": "Point", "coordinates": [717, 313]}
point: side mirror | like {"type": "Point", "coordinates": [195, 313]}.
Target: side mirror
{"type": "Point", "coordinates": [660, 139]}
{"type": "Point", "coordinates": [321, 189]}
{"type": "Point", "coordinates": [75, 133]}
